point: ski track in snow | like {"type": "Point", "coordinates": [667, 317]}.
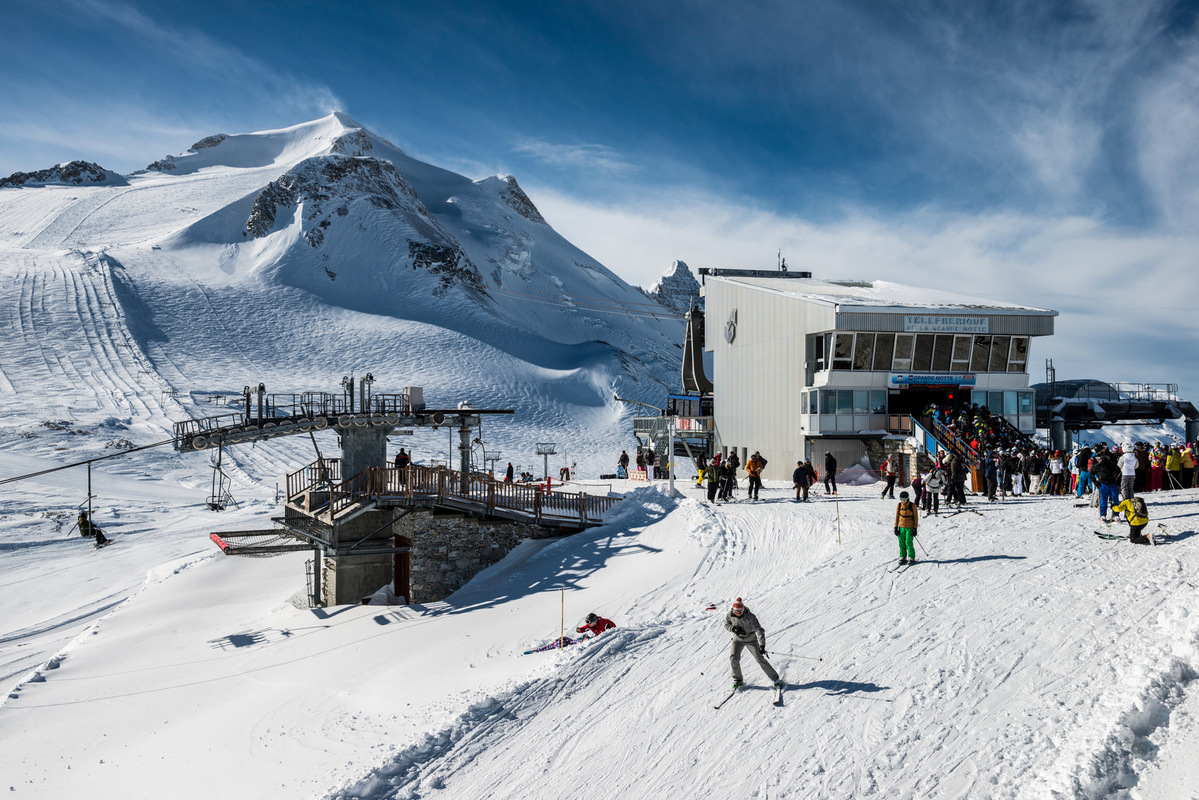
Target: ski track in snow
{"type": "Point", "coordinates": [1020, 658]}
{"type": "Point", "coordinates": [968, 702]}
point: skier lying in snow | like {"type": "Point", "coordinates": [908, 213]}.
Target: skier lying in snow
{"type": "Point", "coordinates": [747, 632]}
{"type": "Point", "coordinates": [596, 624]}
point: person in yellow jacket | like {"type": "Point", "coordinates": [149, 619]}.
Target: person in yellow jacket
{"type": "Point", "coordinates": [754, 467]}
{"type": "Point", "coordinates": [1187, 459]}
{"type": "Point", "coordinates": [1173, 468]}
{"type": "Point", "coordinates": [907, 518]}
{"type": "Point", "coordinates": [1137, 515]}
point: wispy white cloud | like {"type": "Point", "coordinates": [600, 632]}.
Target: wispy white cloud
{"type": "Point", "coordinates": [207, 87]}
{"type": "Point", "coordinates": [1168, 133]}
{"type": "Point", "coordinates": [216, 60]}
{"type": "Point", "coordinates": [1112, 288]}
{"type": "Point", "coordinates": [590, 157]}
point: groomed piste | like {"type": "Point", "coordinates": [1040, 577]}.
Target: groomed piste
{"type": "Point", "coordinates": [1020, 657]}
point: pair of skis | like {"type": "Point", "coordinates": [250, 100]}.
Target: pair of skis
{"type": "Point", "coordinates": [1115, 537]}
{"type": "Point", "coordinates": [778, 695]}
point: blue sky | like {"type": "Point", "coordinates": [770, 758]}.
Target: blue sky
{"type": "Point", "coordinates": [1039, 152]}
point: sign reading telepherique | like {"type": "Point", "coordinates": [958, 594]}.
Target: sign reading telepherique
{"type": "Point", "coordinates": [935, 324]}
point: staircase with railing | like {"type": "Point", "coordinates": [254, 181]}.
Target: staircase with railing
{"type": "Point", "coordinates": [939, 441]}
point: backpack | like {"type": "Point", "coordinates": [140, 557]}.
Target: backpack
{"type": "Point", "coordinates": [762, 461]}
{"type": "Point", "coordinates": [1139, 508]}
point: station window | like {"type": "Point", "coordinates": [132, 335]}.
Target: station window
{"type": "Point", "coordinates": [903, 353]}
{"type": "Point", "coordinates": [922, 361]}
{"type": "Point", "coordinates": [803, 402]}
{"type": "Point", "coordinates": [1019, 357]}
{"type": "Point", "coordinates": [999, 348]}
{"type": "Point", "coordinates": [961, 354]}
{"type": "Point", "coordinates": [982, 354]}
{"type": "Point", "coordinates": [843, 351]}
{"type": "Point", "coordinates": [884, 347]}
{"type": "Point", "coordinates": [819, 357]}
{"type": "Point", "coordinates": [942, 353]}
{"type": "Point", "coordinates": [863, 351]}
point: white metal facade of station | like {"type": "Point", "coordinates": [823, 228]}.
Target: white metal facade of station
{"type": "Point", "coordinates": [770, 388]}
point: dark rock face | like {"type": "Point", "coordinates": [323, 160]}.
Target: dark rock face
{"type": "Point", "coordinates": [677, 289]}
{"type": "Point", "coordinates": [72, 173]}
{"type": "Point", "coordinates": [327, 185]}
{"type": "Point", "coordinates": [208, 141]}
{"type": "Point", "coordinates": [519, 202]}
{"type": "Point", "coordinates": [318, 181]}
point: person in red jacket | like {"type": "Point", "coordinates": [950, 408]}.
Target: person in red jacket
{"type": "Point", "coordinates": [596, 624]}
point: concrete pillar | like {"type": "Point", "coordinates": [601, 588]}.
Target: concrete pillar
{"type": "Point", "coordinates": [1191, 428]}
{"type": "Point", "coordinates": [362, 448]}
{"type": "Point", "coordinates": [1057, 434]}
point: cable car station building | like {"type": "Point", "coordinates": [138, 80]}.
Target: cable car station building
{"type": "Point", "coordinates": [803, 366]}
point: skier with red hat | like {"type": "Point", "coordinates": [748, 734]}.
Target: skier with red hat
{"type": "Point", "coordinates": [747, 633]}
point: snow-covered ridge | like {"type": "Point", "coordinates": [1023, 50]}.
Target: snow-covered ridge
{"type": "Point", "coordinates": [71, 173]}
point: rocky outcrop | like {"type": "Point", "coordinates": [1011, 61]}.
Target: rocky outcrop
{"type": "Point", "coordinates": [324, 185]}
{"type": "Point", "coordinates": [167, 163]}
{"type": "Point", "coordinates": [519, 202]}
{"type": "Point", "coordinates": [677, 289]}
{"type": "Point", "coordinates": [327, 186]}
{"type": "Point", "coordinates": [72, 173]}
{"type": "Point", "coordinates": [207, 142]}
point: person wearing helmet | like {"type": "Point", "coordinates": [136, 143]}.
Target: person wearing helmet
{"type": "Point", "coordinates": [1128, 472]}
{"type": "Point", "coordinates": [830, 472]}
{"type": "Point", "coordinates": [907, 519]}
{"type": "Point", "coordinates": [747, 633]}
{"type": "Point", "coordinates": [595, 624]}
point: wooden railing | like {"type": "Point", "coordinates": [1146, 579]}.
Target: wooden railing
{"type": "Point", "coordinates": [439, 485]}
{"type": "Point", "coordinates": [316, 473]}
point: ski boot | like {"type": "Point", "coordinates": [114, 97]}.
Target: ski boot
{"type": "Point", "coordinates": [737, 684]}
{"type": "Point", "coordinates": [903, 561]}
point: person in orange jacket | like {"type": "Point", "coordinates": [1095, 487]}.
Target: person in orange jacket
{"type": "Point", "coordinates": [754, 467]}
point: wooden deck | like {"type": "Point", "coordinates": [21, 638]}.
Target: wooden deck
{"type": "Point", "coordinates": [320, 491]}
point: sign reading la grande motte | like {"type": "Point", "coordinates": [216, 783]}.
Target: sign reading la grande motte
{"type": "Point", "coordinates": [945, 324]}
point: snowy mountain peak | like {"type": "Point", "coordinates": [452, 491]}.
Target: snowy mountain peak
{"type": "Point", "coordinates": [283, 148]}
{"type": "Point", "coordinates": [677, 289]}
{"type": "Point", "coordinates": [514, 197]}
{"type": "Point", "coordinates": [70, 173]}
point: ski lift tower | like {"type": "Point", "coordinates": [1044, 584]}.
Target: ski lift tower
{"type": "Point", "coordinates": [547, 449]}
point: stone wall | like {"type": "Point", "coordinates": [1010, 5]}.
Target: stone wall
{"type": "Point", "coordinates": [447, 551]}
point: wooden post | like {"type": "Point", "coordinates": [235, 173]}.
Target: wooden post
{"type": "Point", "coordinates": [562, 633]}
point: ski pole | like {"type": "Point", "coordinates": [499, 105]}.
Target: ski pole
{"type": "Point", "coordinates": [708, 666]}
{"type": "Point", "coordinates": [921, 546]}
{"type": "Point", "coordinates": [837, 504]}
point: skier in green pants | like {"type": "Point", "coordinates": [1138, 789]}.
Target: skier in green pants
{"type": "Point", "coordinates": [907, 518]}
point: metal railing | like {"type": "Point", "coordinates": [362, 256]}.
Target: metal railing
{"type": "Point", "coordinates": [439, 486]}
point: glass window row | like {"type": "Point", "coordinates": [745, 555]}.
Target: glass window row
{"type": "Point", "coordinates": [919, 352]}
